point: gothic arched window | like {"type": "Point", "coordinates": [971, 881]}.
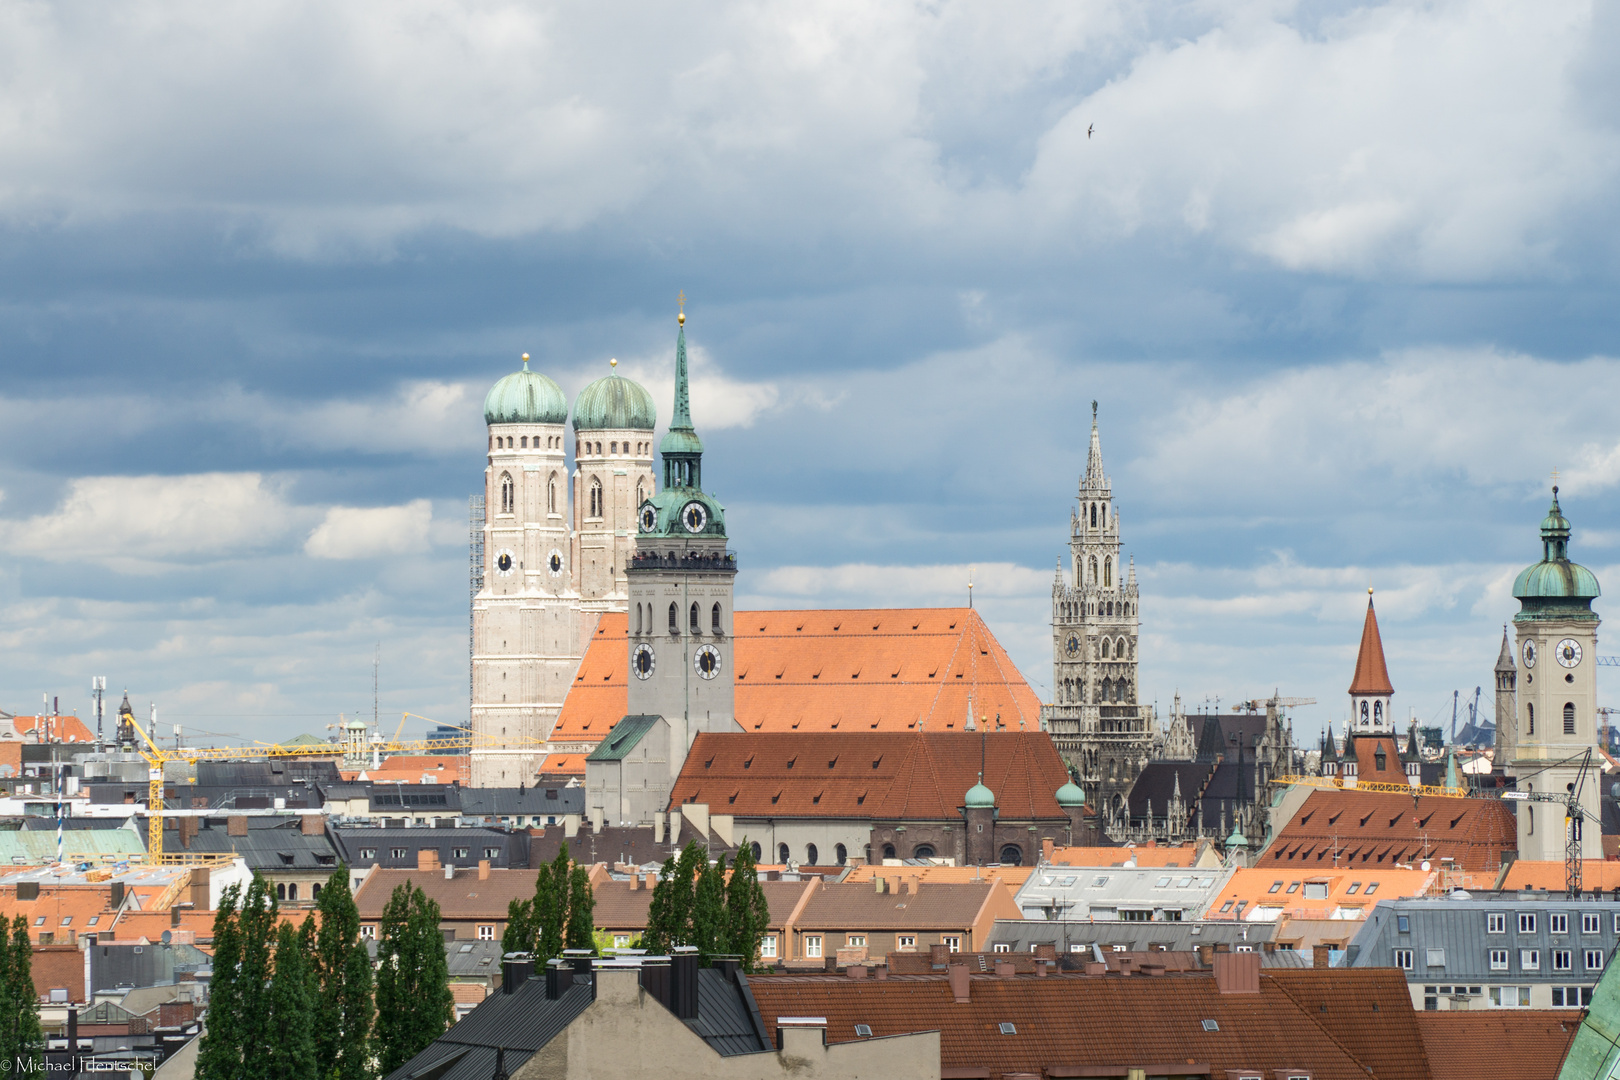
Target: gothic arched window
{"type": "Point", "coordinates": [638, 618]}
{"type": "Point", "coordinates": [692, 618]}
{"type": "Point", "coordinates": [596, 498]}
{"type": "Point", "coordinates": [1569, 718]}
{"type": "Point", "coordinates": [1093, 515]}
{"type": "Point", "coordinates": [1378, 712]}
{"type": "Point", "coordinates": [641, 494]}
{"type": "Point", "coordinates": [1108, 573]}
{"type": "Point", "coordinates": [1094, 569]}
{"type": "Point", "coordinates": [1530, 715]}
{"type": "Point", "coordinates": [551, 495]}
{"type": "Point", "coordinates": [674, 620]}
{"type": "Point", "coordinates": [1363, 714]}
{"type": "Point", "coordinates": [714, 618]}
{"type": "Point", "coordinates": [507, 495]}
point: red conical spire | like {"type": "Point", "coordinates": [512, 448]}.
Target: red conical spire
{"type": "Point", "coordinates": [1372, 677]}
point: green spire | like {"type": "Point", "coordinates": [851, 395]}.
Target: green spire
{"type": "Point", "coordinates": [1452, 779]}
{"type": "Point", "coordinates": [681, 447]}
{"type": "Point", "coordinates": [683, 403]}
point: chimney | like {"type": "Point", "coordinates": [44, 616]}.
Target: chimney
{"type": "Point", "coordinates": [559, 977]}
{"type": "Point", "coordinates": [73, 1035]}
{"type": "Point", "coordinates": [939, 955]}
{"type": "Point", "coordinates": [683, 989]}
{"type": "Point", "coordinates": [427, 858]}
{"type": "Point", "coordinates": [1047, 951]}
{"type": "Point", "coordinates": [516, 967]}
{"type": "Point", "coordinates": [1151, 969]}
{"type": "Point", "coordinates": [879, 886]}
{"type": "Point", "coordinates": [635, 882]}
{"type": "Point", "coordinates": [856, 971]}
{"type": "Point", "coordinates": [311, 824]}
{"type": "Point", "coordinates": [1126, 964]}
{"type": "Point", "coordinates": [651, 882]}
{"type": "Point", "coordinates": [483, 869]}
{"type": "Point", "coordinates": [1237, 973]}
{"type": "Point", "coordinates": [449, 873]}
{"type": "Point", "coordinates": [1320, 956]}
{"type": "Point", "coordinates": [1040, 967]}
{"type": "Point", "coordinates": [1048, 849]}
{"type": "Point", "coordinates": [881, 972]}
{"type": "Point", "coordinates": [235, 825]}
{"type": "Point", "coordinates": [188, 830]}
{"type": "Point", "coordinates": [958, 974]}
{"type": "Point", "coordinates": [655, 979]}
{"type": "Point", "coordinates": [1206, 955]}
{"type": "Point", "coordinates": [1096, 967]}
{"type": "Point", "coordinates": [1005, 969]}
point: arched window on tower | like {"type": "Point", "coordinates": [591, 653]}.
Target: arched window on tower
{"type": "Point", "coordinates": [507, 494]}
{"type": "Point", "coordinates": [641, 494]}
{"type": "Point", "coordinates": [714, 619]}
{"type": "Point", "coordinates": [526, 442]}
{"type": "Point", "coordinates": [1094, 569]}
{"type": "Point", "coordinates": [697, 627]}
{"type": "Point", "coordinates": [638, 620]}
{"type": "Point", "coordinates": [674, 620]}
{"type": "Point", "coordinates": [613, 448]}
{"type": "Point", "coordinates": [1569, 718]}
{"type": "Point", "coordinates": [1363, 714]}
{"type": "Point", "coordinates": [1108, 571]}
{"type": "Point", "coordinates": [1378, 713]}
{"type": "Point", "coordinates": [596, 498]}
{"type": "Point", "coordinates": [1093, 515]}
{"type": "Point", "coordinates": [1105, 649]}
{"type": "Point", "coordinates": [1530, 719]}
{"type": "Point", "coordinates": [551, 495]}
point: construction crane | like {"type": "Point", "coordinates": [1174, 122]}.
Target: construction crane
{"type": "Point", "coordinates": [1573, 816]}
{"type": "Point", "coordinates": [353, 738]}
{"type": "Point", "coordinates": [1274, 701]}
{"type": "Point", "coordinates": [1608, 661]}
{"type": "Point", "coordinates": [1605, 712]}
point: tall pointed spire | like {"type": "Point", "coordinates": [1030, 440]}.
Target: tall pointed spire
{"type": "Point", "coordinates": [681, 448]}
{"type": "Point", "coordinates": [1372, 677]}
{"type": "Point", "coordinates": [1504, 659]}
{"type": "Point", "coordinates": [682, 417]}
{"type": "Point", "coordinates": [1094, 465]}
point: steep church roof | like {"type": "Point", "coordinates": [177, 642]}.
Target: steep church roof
{"type": "Point", "coordinates": [887, 669]}
{"type": "Point", "coordinates": [1504, 660]}
{"type": "Point", "coordinates": [1372, 677]}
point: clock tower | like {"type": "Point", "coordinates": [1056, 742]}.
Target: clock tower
{"type": "Point", "coordinates": [680, 588]}
{"type": "Point", "coordinates": [1556, 631]}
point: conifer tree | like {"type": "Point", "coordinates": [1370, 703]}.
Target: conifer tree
{"type": "Point", "coordinates": [240, 1035]}
{"type": "Point", "coordinates": [548, 931]}
{"type": "Point", "coordinates": [709, 910]}
{"type": "Point", "coordinates": [519, 935]}
{"type": "Point", "coordinates": [581, 911]}
{"type": "Point", "coordinates": [219, 1053]}
{"type": "Point", "coordinates": [292, 999]}
{"type": "Point", "coordinates": [21, 1040]}
{"type": "Point", "coordinates": [342, 971]}
{"type": "Point", "coordinates": [747, 914]}
{"type": "Point", "coordinates": [683, 893]}
{"type": "Point", "coordinates": [656, 939]}
{"type": "Point", "coordinates": [414, 1004]}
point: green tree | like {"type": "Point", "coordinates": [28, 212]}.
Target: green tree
{"type": "Point", "coordinates": [292, 999]}
{"type": "Point", "coordinates": [656, 939]}
{"type": "Point", "coordinates": [219, 1054]}
{"type": "Point", "coordinates": [519, 935]}
{"type": "Point", "coordinates": [548, 930]}
{"type": "Point", "coordinates": [747, 914]}
{"type": "Point", "coordinates": [414, 1005]}
{"type": "Point", "coordinates": [709, 910]}
{"type": "Point", "coordinates": [343, 978]}
{"type": "Point", "coordinates": [581, 910]}
{"type": "Point", "coordinates": [21, 1040]}
{"type": "Point", "coordinates": [241, 1036]}
{"type": "Point", "coordinates": [669, 916]}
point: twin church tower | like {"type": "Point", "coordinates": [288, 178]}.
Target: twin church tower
{"type": "Point", "coordinates": [562, 547]}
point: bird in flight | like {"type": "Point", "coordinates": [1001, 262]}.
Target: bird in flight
{"type": "Point", "coordinates": [1090, 129]}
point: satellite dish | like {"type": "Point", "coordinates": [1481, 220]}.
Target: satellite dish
{"type": "Point", "coordinates": [1425, 864]}
{"type": "Point", "coordinates": [167, 937]}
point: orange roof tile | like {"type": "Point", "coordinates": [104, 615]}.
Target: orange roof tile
{"type": "Point", "coordinates": [1372, 677]}
{"type": "Point", "coordinates": [1264, 894]}
{"type": "Point", "coordinates": [884, 669]}
{"type": "Point", "coordinates": [1503, 1044]}
{"type": "Point", "coordinates": [1364, 748]}
{"type": "Point", "coordinates": [423, 769]}
{"type": "Point", "coordinates": [1366, 830]}
{"type": "Point", "coordinates": [891, 775]}
{"type": "Point", "coordinates": [1163, 855]}
{"type": "Point", "coordinates": [563, 765]}
{"type": "Point", "coordinates": [1013, 877]}
{"type": "Point", "coordinates": [61, 910]}
{"type": "Point", "coordinates": [1595, 874]}
{"type": "Point", "coordinates": [68, 729]}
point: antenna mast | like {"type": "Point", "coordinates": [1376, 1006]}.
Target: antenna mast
{"type": "Point", "coordinates": [98, 684]}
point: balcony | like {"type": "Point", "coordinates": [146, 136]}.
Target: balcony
{"type": "Point", "coordinates": [692, 560]}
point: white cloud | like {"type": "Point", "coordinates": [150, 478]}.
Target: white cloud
{"type": "Point", "coordinates": [718, 400]}
{"type": "Point", "coordinates": [366, 532]}
{"type": "Point", "coordinates": [420, 417]}
{"type": "Point", "coordinates": [138, 524]}
{"type": "Point", "coordinates": [866, 585]}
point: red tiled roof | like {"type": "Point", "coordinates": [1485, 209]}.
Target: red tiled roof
{"type": "Point", "coordinates": [618, 907]}
{"type": "Point", "coordinates": [562, 765]}
{"type": "Point", "coordinates": [880, 775]}
{"type": "Point", "coordinates": [1065, 1022]}
{"type": "Point", "coordinates": [955, 906]}
{"type": "Point", "coordinates": [69, 729]}
{"type": "Point", "coordinates": [1364, 748]}
{"type": "Point", "coordinates": [1595, 874]}
{"type": "Point", "coordinates": [1503, 1044]}
{"type": "Point", "coordinates": [885, 669]}
{"type": "Point", "coordinates": [463, 897]}
{"type": "Point", "coordinates": [1366, 830]}
{"type": "Point", "coordinates": [1372, 677]}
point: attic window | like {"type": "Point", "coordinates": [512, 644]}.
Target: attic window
{"type": "Point", "coordinates": [816, 798]}
{"type": "Point", "coordinates": [775, 798]}
{"type": "Point", "coordinates": [860, 799]}
{"type": "Point", "coordinates": [791, 760]}
{"type": "Point", "coordinates": [863, 1031]}
{"type": "Point", "coordinates": [877, 760]}
{"type": "Point", "coordinates": [706, 764]}
{"type": "Point", "coordinates": [1008, 1029]}
{"type": "Point", "coordinates": [855, 675]}
{"type": "Point", "coordinates": [1211, 1025]}
{"type": "Point", "coordinates": [1275, 886]}
{"type": "Point", "coordinates": [833, 762]}
{"type": "Point", "coordinates": [733, 798]}
{"type": "Point", "coordinates": [1371, 889]}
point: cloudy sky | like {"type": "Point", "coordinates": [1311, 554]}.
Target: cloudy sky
{"type": "Point", "coordinates": [1341, 277]}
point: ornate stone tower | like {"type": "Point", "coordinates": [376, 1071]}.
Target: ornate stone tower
{"type": "Point", "coordinates": [1557, 695]}
{"type": "Point", "coordinates": [527, 637]}
{"type": "Point", "coordinates": [680, 588]}
{"type": "Point", "coordinates": [1507, 710]}
{"type": "Point", "coordinates": [613, 450]}
{"type": "Point", "coordinates": [1095, 719]}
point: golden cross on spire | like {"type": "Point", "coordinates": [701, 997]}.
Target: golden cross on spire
{"type": "Point", "coordinates": [1555, 475]}
{"type": "Point", "coordinates": [680, 302]}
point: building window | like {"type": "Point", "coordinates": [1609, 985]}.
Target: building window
{"type": "Point", "coordinates": [714, 618]}
{"type": "Point", "coordinates": [492, 853]}
{"type": "Point", "coordinates": [758, 852]}
{"type": "Point", "coordinates": [1591, 923]}
{"type": "Point", "coordinates": [1561, 959]}
{"type": "Point", "coordinates": [1594, 959]}
{"type": "Point", "coordinates": [596, 499]}
{"type": "Point", "coordinates": [1569, 718]}
{"type": "Point", "coordinates": [1001, 946]}
{"type": "Point", "coordinates": [811, 855]}
{"type": "Point", "coordinates": [281, 890]}
{"type": "Point", "coordinates": [398, 853]}
{"type": "Point", "coordinates": [1316, 890]}
{"type": "Point", "coordinates": [1012, 855]}
{"type": "Point", "coordinates": [369, 933]}
{"type": "Point", "coordinates": [368, 853]}
{"type": "Point", "coordinates": [1403, 924]}
{"type": "Point", "coordinates": [1529, 959]}
{"type": "Point", "coordinates": [692, 620]}
{"type": "Point", "coordinates": [855, 941]}
{"type": "Point", "coordinates": [1571, 997]}
{"type": "Point", "coordinates": [1527, 922]}
{"type": "Point", "coordinates": [1558, 924]}
{"type": "Point", "coordinates": [812, 946]}
{"type": "Point", "coordinates": [458, 853]}
{"type": "Point", "coordinates": [1403, 959]}
{"type": "Point", "coordinates": [782, 854]}
{"type": "Point", "coordinates": [507, 498]}
{"type": "Point", "coordinates": [841, 853]}
{"type": "Point", "coordinates": [486, 933]}
{"type": "Point", "coordinates": [1510, 997]}
{"type": "Point", "coordinates": [1496, 924]}
{"type": "Point", "coordinates": [1435, 958]}
{"type": "Point", "coordinates": [906, 942]}
{"type": "Point", "coordinates": [1530, 716]}
{"type": "Point", "coordinates": [674, 621]}
{"type": "Point", "coordinates": [923, 851]}
{"type": "Point", "coordinates": [888, 853]}
{"type": "Point", "coordinates": [1499, 959]}
{"type": "Point", "coordinates": [951, 942]}
{"type": "Point", "coordinates": [767, 946]}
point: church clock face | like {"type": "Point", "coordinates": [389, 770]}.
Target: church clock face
{"type": "Point", "coordinates": [1529, 654]}
{"type": "Point", "coordinates": [1072, 646]}
{"type": "Point", "coordinates": [642, 661]}
{"type": "Point", "coordinates": [504, 563]}
{"type": "Point", "coordinates": [707, 661]}
{"type": "Point", "coordinates": [1568, 652]}
{"type": "Point", "coordinates": [649, 518]}
{"type": "Point", "coordinates": [694, 515]}
{"type": "Point", "coordinates": [554, 563]}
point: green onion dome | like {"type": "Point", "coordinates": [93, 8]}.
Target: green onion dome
{"type": "Point", "coordinates": [525, 397]}
{"type": "Point", "coordinates": [1070, 795]}
{"type": "Point", "coordinates": [614, 402]}
{"type": "Point", "coordinates": [980, 797]}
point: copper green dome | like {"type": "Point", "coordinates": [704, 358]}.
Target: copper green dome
{"type": "Point", "coordinates": [525, 397]}
{"type": "Point", "coordinates": [1070, 795]}
{"type": "Point", "coordinates": [1555, 585]}
{"type": "Point", "coordinates": [980, 797]}
{"type": "Point", "coordinates": [1237, 839]}
{"type": "Point", "coordinates": [614, 402]}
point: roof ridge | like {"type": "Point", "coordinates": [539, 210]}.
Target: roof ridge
{"type": "Point", "coordinates": [948, 665]}
{"type": "Point", "coordinates": [1281, 984]}
{"type": "Point", "coordinates": [994, 659]}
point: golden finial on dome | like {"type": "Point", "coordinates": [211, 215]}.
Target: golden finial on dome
{"type": "Point", "coordinates": [613, 363]}
{"type": "Point", "coordinates": [680, 299]}
{"type": "Point", "coordinates": [525, 361]}
{"type": "Point", "coordinates": [1369, 590]}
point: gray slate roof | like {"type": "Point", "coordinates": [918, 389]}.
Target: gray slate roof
{"type": "Point", "coordinates": [527, 801]}
{"type": "Point", "coordinates": [1073, 892]}
{"type": "Point", "coordinates": [1022, 935]}
{"type": "Point", "coordinates": [271, 844]}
